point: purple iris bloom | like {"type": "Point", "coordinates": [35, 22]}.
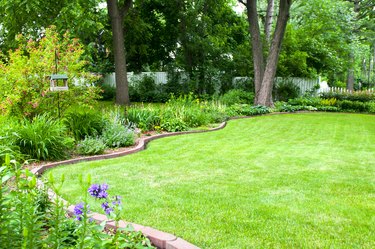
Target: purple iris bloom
{"type": "Point", "coordinates": [116, 200]}
{"type": "Point", "coordinates": [98, 191]}
{"type": "Point", "coordinates": [107, 209]}
{"type": "Point", "coordinates": [78, 210]}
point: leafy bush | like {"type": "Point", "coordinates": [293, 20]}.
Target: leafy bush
{"type": "Point", "coordinates": [284, 107]}
{"type": "Point", "coordinates": [328, 108]}
{"type": "Point", "coordinates": [285, 90]}
{"type": "Point", "coordinates": [24, 82]}
{"type": "Point", "coordinates": [177, 114]}
{"type": "Point", "coordinates": [84, 123]}
{"type": "Point", "coordinates": [361, 96]}
{"type": "Point", "coordinates": [146, 90]}
{"type": "Point", "coordinates": [328, 102]}
{"type": "Point", "coordinates": [353, 106]}
{"type": "Point", "coordinates": [247, 110]}
{"type": "Point", "coordinates": [7, 140]}
{"type": "Point", "coordinates": [173, 125]}
{"type": "Point", "coordinates": [43, 138]}
{"type": "Point", "coordinates": [108, 92]}
{"type": "Point", "coordinates": [91, 146]}
{"type": "Point", "coordinates": [371, 107]}
{"type": "Point", "coordinates": [144, 118]}
{"type": "Point", "coordinates": [116, 133]}
{"type": "Point", "coordinates": [192, 111]}
{"type": "Point", "coordinates": [8, 148]}
{"type": "Point", "coordinates": [237, 96]}
{"type": "Point", "coordinates": [305, 101]}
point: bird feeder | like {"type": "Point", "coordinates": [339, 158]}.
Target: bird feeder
{"type": "Point", "coordinates": [58, 82]}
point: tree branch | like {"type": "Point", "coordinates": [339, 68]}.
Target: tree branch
{"type": "Point", "coordinates": [127, 5]}
{"type": "Point", "coordinates": [242, 1]}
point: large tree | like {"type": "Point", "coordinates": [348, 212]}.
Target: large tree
{"type": "Point", "coordinates": [117, 11]}
{"type": "Point", "coordinates": [265, 70]}
{"type": "Point", "coordinates": [31, 18]}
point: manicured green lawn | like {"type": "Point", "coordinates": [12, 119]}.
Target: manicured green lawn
{"type": "Point", "coordinates": [278, 181]}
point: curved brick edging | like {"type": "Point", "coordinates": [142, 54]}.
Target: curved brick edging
{"type": "Point", "coordinates": [161, 240]}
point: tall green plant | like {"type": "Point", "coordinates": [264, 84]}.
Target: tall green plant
{"type": "Point", "coordinates": [84, 123]}
{"type": "Point", "coordinates": [43, 138]}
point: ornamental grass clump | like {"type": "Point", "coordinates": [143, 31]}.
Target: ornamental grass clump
{"type": "Point", "coordinates": [43, 138]}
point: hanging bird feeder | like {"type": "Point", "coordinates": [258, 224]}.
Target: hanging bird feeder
{"type": "Point", "coordinates": [59, 82]}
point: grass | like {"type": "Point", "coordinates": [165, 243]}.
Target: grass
{"type": "Point", "coordinates": [277, 181]}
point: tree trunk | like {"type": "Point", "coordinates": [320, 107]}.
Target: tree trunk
{"type": "Point", "coordinates": [116, 14]}
{"type": "Point", "coordinates": [269, 20]}
{"type": "Point", "coordinates": [257, 46]}
{"type": "Point", "coordinates": [350, 78]}
{"type": "Point", "coordinates": [264, 77]}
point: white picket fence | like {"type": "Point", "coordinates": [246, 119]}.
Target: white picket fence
{"type": "Point", "coordinates": [162, 78]}
{"type": "Point", "coordinates": [159, 77]}
{"type": "Point", "coordinates": [304, 84]}
{"type": "Point", "coordinates": [344, 90]}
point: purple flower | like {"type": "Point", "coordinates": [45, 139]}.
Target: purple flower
{"type": "Point", "coordinates": [78, 210]}
{"type": "Point", "coordinates": [116, 200]}
{"type": "Point", "coordinates": [107, 209]}
{"type": "Point", "coordinates": [98, 191]}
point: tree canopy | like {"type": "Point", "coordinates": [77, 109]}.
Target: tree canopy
{"type": "Point", "coordinates": [208, 40]}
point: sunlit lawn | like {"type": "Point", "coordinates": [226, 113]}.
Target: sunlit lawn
{"type": "Point", "coordinates": [278, 181]}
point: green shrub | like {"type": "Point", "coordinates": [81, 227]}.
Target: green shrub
{"type": "Point", "coordinates": [84, 123]}
{"type": "Point", "coordinates": [108, 92]}
{"type": "Point", "coordinates": [146, 90]}
{"type": "Point", "coordinates": [24, 85]}
{"type": "Point", "coordinates": [8, 148]}
{"type": "Point", "coordinates": [7, 140]}
{"type": "Point", "coordinates": [43, 138]}
{"type": "Point", "coordinates": [144, 118]}
{"type": "Point", "coordinates": [361, 96]}
{"type": "Point", "coordinates": [117, 135]}
{"type": "Point", "coordinates": [173, 125]}
{"type": "Point", "coordinates": [190, 110]}
{"type": "Point", "coordinates": [371, 107]}
{"type": "Point", "coordinates": [237, 96]}
{"type": "Point", "coordinates": [177, 114]}
{"type": "Point", "coordinates": [328, 102]}
{"type": "Point", "coordinates": [285, 90]}
{"type": "Point", "coordinates": [305, 101]}
{"type": "Point", "coordinates": [328, 108]}
{"type": "Point", "coordinates": [284, 107]}
{"type": "Point", "coordinates": [353, 106]}
{"type": "Point", "coordinates": [91, 146]}
{"type": "Point", "coordinates": [247, 110]}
